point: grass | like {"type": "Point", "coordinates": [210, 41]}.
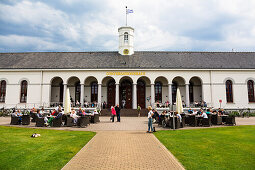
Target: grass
{"type": "Point", "coordinates": [52, 150]}
{"type": "Point", "coordinates": [212, 148]}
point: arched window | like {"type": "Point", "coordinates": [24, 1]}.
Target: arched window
{"type": "Point", "coordinates": [251, 96]}
{"type": "Point", "coordinates": [126, 37]}
{"type": "Point", "coordinates": [158, 92]}
{"type": "Point", "coordinates": [94, 91]}
{"type": "Point", "coordinates": [229, 91]}
{"type": "Point", "coordinates": [23, 92]}
{"type": "Point", "coordinates": [2, 91]}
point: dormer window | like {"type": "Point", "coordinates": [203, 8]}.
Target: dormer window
{"type": "Point", "coordinates": [125, 37]}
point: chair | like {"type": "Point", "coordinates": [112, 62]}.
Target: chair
{"type": "Point", "coordinates": [177, 123]}
{"type": "Point", "coordinates": [205, 122]}
{"type": "Point", "coordinates": [216, 120]}
{"type": "Point", "coordinates": [69, 122]}
{"type": "Point", "coordinates": [96, 118]}
{"type": "Point", "coordinates": [183, 120]}
{"type": "Point", "coordinates": [192, 120]}
{"type": "Point", "coordinates": [57, 122]}
{"type": "Point", "coordinates": [25, 119]}
{"type": "Point", "coordinates": [39, 122]}
{"type": "Point", "coordinates": [87, 120]}
{"type": "Point", "coordinates": [161, 118]}
{"type": "Point", "coordinates": [230, 120]}
{"type": "Point", "coordinates": [83, 121]}
{"type": "Point", "coordinates": [33, 115]}
{"type": "Point", "coordinates": [14, 120]}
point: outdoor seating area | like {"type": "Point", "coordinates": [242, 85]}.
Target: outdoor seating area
{"type": "Point", "coordinates": [54, 118]}
{"type": "Point", "coordinates": [175, 121]}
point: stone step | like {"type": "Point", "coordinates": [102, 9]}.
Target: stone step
{"type": "Point", "coordinates": [125, 112]}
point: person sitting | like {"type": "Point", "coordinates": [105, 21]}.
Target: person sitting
{"type": "Point", "coordinates": [95, 112]}
{"type": "Point", "coordinates": [40, 115]}
{"type": "Point", "coordinates": [179, 116]}
{"type": "Point", "coordinates": [77, 103]}
{"type": "Point", "coordinates": [86, 104]}
{"type": "Point", "coordinates": [74, 116]}
{"type": "Point", "coordinates": [208, 111]}
{"type": "Point", "coordinates": [204, 115]}
{"type": "Point", "coordinates": [190, 111]}
{"type": "Point", "coordinates": [19, 114]}
{"type": "Point", "coordinates": [59, 114]}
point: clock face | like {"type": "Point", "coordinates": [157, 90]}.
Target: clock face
{"type": "Point", "coordinates": [126, 51]}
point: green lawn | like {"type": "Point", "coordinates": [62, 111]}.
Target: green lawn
{"type": "Point", "coordinates": [52, 150]}
{"type": "Point", "coordinates": [212, 148]}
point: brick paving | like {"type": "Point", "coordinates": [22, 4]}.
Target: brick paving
{"type": "Point", "coordinates": [123, 150]}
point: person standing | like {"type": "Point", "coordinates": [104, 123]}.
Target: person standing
{"type": "Point", "coordinates": [113, 113]}
{"type": "Point", "coordinates": [117, 109]}
{"type": "Point", "coordinates": [150, 114]}
{"type": "Point", "coordinates": [139, 110]}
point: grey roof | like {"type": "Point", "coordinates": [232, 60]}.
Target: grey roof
{"type": "Point", "coordinates": [141, 60]}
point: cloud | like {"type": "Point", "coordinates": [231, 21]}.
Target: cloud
{"type": "Point", "coordinates": [85, 25]}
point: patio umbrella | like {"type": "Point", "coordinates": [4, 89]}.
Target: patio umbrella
{"type": "Point", "coordinates": [67, 106]}
{"type": "Point", "coordinates": [179, 108]}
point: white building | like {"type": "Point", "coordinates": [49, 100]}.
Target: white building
{"type": "Point", "coordinates": [41, 78]}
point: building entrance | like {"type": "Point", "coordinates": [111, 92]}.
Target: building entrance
{"type": "Point", "coordinates": [126, 94]}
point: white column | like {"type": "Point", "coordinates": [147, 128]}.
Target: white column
{"type": "Point", "coordinates": [187, 95]}
{"type": "Point", "coordinates": [170, 93]}
{"type": "Point", "coordinates": [64, 93]}
{"type": "Point", "coordinates": [117, 94]}
{"type": "Point", "coordinates": [152, 96]}
{"type": "Point", "coordinates": [99, 97]}
{"type": "Point", "coordinates": [134, 97]}
{"type": "Point", "coordinates": [82, 95]}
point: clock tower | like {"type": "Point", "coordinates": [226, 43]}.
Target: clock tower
{"type": "Point", "coordinates": [126, 40]}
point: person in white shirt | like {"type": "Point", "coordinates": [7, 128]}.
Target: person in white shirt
{"type": "Point", "coordinates": [74, 116]}
{"type": "Point", "coordinates": [179, 116]}
{"type": "Point", "coordinates": [150, 114]}
{"type": "Point", "coordinates": [95, 112]}
{"type": "Point", "coordinates": [204, 115]}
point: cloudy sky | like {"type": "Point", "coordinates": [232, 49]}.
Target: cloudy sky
{"type": "Point", "coordinates": [92, 25]}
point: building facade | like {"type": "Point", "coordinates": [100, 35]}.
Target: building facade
{"type": "Point", "coordinates": [128, 78]}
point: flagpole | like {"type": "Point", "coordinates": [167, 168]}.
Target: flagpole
{"type": "Point", "coordinates": [126, 15]}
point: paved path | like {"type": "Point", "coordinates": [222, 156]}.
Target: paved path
{"type": "Point", "coordinates": [123, 150]}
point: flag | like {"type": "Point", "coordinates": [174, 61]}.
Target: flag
{"type": "Point", "coordinates": [130, 11]}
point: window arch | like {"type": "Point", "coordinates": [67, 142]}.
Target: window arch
{"type": "Point", "coordinates": [250, 85]}
{"type": "Point", "coordinates": [23, 92]}
{"type": "Point", "coordinates": [125, 37]}
{"type": "Point", "coordinates": [94, 91]}
{"type": "Point", "coordinates": [229, 91]}
{"type": "Point", "coordinates": [158, 92]}
{"type": "Point", "coordinates": [2, 91]}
